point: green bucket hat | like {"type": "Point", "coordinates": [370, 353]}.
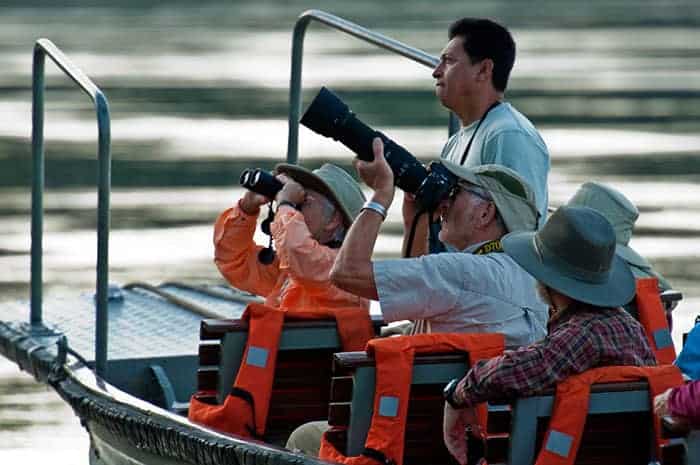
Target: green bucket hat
{"type": "Point", "coordinates": [618, 210]}
{"type": "Point", "coordinates": [622, 215]}
{"type": "Point", "coordinates": [331, 181]}
{"type": "Point", "coordinates": [574, 253]}
{"type": "Point", "coordinates": [514, 199]}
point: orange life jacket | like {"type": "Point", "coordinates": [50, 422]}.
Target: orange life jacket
{"type": "Point", "coordinates": [563, 438]}
{"type": "Point", "coordinates": [394, 370]}
{"type": "Point", "coordinates": [652, 316]}
{"type": "Point", "coordinates": [245, 409]}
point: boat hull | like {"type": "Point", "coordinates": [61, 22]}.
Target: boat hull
{"type": "Point", "coordinates": [124, 429]}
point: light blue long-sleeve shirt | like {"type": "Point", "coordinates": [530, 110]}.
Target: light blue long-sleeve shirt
{"type": "Point", "coordinates": [508, 138]}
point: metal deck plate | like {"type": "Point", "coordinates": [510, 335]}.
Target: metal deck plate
{"type": "Point", "coordinates": [141, 324]}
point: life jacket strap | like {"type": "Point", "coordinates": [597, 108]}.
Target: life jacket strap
{"type": "Point", "coordinates": [378, 455]}
{"type": "Point", "coordinates": [250, 400]}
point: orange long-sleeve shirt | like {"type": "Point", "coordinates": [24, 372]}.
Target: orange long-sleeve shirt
{"type": "Point", "coordinates": [299, 277]}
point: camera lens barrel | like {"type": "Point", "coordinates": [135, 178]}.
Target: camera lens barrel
{"type": "Point", "coordinates": [331, 117]}
{"type": "Point", "coordinates": [261, 182]}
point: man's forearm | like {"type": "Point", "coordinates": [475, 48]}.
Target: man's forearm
{"type": "Point", "coordinates": [353, 270]}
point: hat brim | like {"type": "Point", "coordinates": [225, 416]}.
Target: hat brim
{"type": "Point", "coordinates": [460, 171]}
{"type": "Point", "coordinates": [629, 255]}
{"type": "Point", "coordinates": [311, 181]}
{"type": "Point", "coordinates": [617, 291]}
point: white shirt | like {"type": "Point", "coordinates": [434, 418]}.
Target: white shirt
{"type": "Point", "coordinates": [462, 292]}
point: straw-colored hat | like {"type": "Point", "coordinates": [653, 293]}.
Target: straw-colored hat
{"type": "Point", "coordinates": [514, 199]}
{"type": "Point", "coordinates": [622, 215]}
{"type": "Point", "coordinates": [331, 181]}
{"type": "Point", "coordinates": [574, 254]}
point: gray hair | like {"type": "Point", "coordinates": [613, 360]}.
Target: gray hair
{"type": "Point", "coordinates": [328, 210]}
{"type": "Point", "coordinates": [483, 196]}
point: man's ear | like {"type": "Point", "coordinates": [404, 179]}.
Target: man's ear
{"type": "Point", "coordinates": [335, 221]}
{"type": "Point", "coordinates": [485, 70]}
{"type": "Point", "coordinates": [488, 214]}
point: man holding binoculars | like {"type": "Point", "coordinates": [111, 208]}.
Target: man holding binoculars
{"type": "Point", "coordinates": [314, 210]}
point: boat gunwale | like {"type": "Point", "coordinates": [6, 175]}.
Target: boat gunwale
{"type": "Point", "coordinates": [147, 426]}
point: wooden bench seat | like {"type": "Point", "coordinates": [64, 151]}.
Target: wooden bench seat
{"type": "Point", "coordinates": [618, 428]}
{"type": "Point", "coordinates": [302, 385]}
{"type": "Point", "coordinates": [352, 397]}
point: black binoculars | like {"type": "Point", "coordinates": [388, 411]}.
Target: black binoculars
{"type": "Point", "coordinates": [331, 117]}
{"type": "Point", "coordinates": [261, 182]}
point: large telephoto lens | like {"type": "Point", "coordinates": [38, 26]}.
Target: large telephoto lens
{"type": "Point", "coordinates": [261, 182]}
{"type": "Point", "coordinates": [331, 117]}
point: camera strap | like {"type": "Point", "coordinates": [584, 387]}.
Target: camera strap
{"type": "Point", "coordinates": [471, 139]}
{"type": "Point", "coordinates": [412, 233]}
{"type": "Point", "coordinates": [493, 246]}
{"type": "Point", "coordinates": [266, 255]}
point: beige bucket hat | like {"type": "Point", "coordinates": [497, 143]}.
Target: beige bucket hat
{"type": "Point", "coordinates": [331, 181]}
{"type": "Point", "coordinates": [622, 214]}
{"type": "Point", "coordinates": [514, 199]}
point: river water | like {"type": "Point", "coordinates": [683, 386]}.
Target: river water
{"type": "Point", "coordinates": [198, 90]}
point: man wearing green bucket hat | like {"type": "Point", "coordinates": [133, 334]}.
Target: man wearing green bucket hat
{"type": "Point", "coordinates": [314, 210]}
{"type": "Point", "coordinates": [477, 288]}
{"type": "Point", "coordinates": [573, 259]}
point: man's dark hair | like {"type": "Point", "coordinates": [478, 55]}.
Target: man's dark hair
{"type": "Point", "coordinates": [484, 38]}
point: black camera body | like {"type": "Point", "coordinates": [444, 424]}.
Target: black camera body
{"type": "Point", "coordinates": [435, 187]}
{"type": "Point", "coordinates": [331, 117]}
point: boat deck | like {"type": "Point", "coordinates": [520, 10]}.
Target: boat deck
{"type": "Point", "coordinates": [142, 323]}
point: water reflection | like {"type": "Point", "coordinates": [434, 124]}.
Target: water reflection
{"type": "Point", "coordinates": [35, 424]}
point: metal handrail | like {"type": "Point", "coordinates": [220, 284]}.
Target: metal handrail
{"type": "Point", "coordinates": [352, 29]}
{"type": "Point", "coordinates": [42, 48]}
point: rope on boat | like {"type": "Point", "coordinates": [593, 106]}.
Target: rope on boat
{"type": "Point", "coordinates": [213, 292]}
{"type": "Point", "coordinates": [175, 300]}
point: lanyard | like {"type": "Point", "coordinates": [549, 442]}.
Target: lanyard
{"type": "Point", "coordinates": [490, 247]}
{"type": "Point", "coordinates": [471, 139]}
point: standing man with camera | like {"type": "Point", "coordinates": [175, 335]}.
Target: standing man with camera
{"type": "Point", "coordinates": [471, 79]}
{"type": "Point", "coordinates": [314, 211]}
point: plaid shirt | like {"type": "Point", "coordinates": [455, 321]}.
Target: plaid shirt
{"type": "Point", "coordinates": [579, 338]}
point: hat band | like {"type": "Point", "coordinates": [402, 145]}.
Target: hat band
{"type": "Point", "coordinates": [547, 257]}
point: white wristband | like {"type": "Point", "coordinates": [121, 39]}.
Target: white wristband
{"type": "Point", "coordinates": [375, 207]}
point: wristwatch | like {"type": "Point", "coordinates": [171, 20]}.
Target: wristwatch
{"type": "Point", "coordinates": [448, 393]}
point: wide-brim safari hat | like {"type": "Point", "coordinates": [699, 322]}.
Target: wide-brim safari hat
{"type": "Point", "coordinates": [514, 199]}
{"type": "Point", "coordinates": [574, 254]}
{"type": "Point", "coordinates": [332, 182]}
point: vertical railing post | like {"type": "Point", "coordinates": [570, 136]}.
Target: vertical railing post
{"type": "Point", "coordinates": [103, 219]}
{"type": "Point", "coordinates": [35, 319]}
{"type": "Point", "coordinates": [295, 89]}
{"type": "Point", "coordinates": [453, 124]}
{"type": "Point", "coordinates": [42, 48]}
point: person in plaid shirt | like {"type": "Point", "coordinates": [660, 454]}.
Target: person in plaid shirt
{"type": "Point", "coordinates": [585, 283]}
